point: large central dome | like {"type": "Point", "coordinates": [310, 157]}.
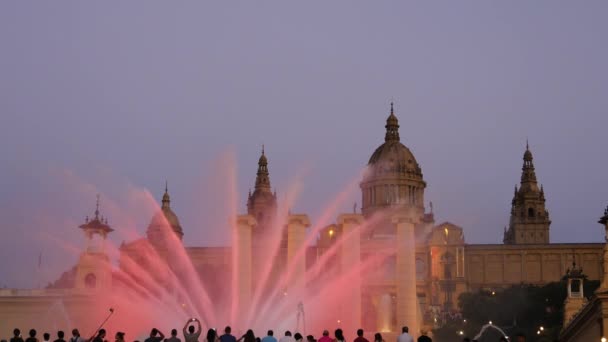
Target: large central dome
{"type": "Point", "coordinates": [393, 177]}
{"type": "Point", "coordinates": [392, 157]}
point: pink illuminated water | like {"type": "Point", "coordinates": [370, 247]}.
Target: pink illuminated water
{"type": "Point", "coordinates": [163, 287]}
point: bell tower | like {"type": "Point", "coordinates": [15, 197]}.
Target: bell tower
{"type": "Point", "coordinates": [262, 203]}
{"type": "Point", "coordinates": [93, 271]}
{"type": "Point", "coordinates": [529, 223]}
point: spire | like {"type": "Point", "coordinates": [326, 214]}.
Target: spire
{"type": "Point", "coordinates": [392, 127]}
{"type": "Point", "coordinates": [528, 175]}
{"type": "Point", "coordinates": [166, 202]}
{"type": "Point", "coordinates": [97, 208]}
{"type": "Point", "coordinates": [262, 180]}
{"type": "Point", "coordinates": [98, 224]}
{"type": "Point", "coordinates": [529, 222]}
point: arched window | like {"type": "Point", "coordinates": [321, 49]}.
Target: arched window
{"type": "Point", "coordinates": [90, 281]}
{"type": "Point", "coordinates": [531, 212]}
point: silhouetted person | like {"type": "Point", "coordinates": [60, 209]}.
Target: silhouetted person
{"type": "Point", "coordinates": [227, 337]}
{"type": "Point", "coordinates": [310, 338]}
{"type": "Point", "coordinates": [101, 334]}
{"type": "Point", "coordinates": [211, 336]}
{"type": "Point", "coordinates": [269, 337]}
{"type": "Point", "coordinates": [298, 337]}
{"type": "Point", "coordinates": [287, 337]}
{"type": "Point", "coordinates": [119, 337]}
{"type": "Point", "coordinates": [46, 337]}
{"type": "Point", "coordinates": [360, 337]}
{"type": "Point", "coordinates": [76, 336]}
{"type": "Point", "coordinates": [378, 337]}
{"type": "Point", "coordinates": [16, 336]}
{"type": "Point", "coordinates": [339, 335]}
{"type": "Point", "coordinates": [173, 337]}
{"type": "Point", "coordinates": [405, 335]}
{"type": "Point", "coordinates": [248, 337]}
{"type": "Point", "coordinates": [32, 337]}
{"type": "Point", "coordinates": [191, 335]}
{"type": "Point", "coordinates": [60, 336]}
{"type": "Point", "coordinates": [423, 337]}
{"type": "Point", "coordinates": [155, 336]}
{"type": "Point", "coordinates": [325, 337]}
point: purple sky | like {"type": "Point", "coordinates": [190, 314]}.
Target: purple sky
{"type": "Point", "coordinates": [117, 97]}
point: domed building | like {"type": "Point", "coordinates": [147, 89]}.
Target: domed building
{"type": "Point", "coordinates": [164, 217]}
{"type": "Point", "coordinates": [414, 270]}
{"type": "Point", "coordinates": [393, 178]}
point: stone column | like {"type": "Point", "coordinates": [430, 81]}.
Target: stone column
{"type": "Point", "coordinates": [407, 301]}
{"type": "Point", "coordinates": [296, 238]}
{"type": "Point", "coordinates": [242, 252]}
{"type": "Point", "coordinates": [350, 261]}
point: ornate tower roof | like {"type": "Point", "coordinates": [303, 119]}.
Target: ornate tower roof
{"type": "Point", "coordinates": [262, 202]}
{"type": "Point", "coordinates": [529, 221]}
{"type": "Point", "coordinates": [392, 127]}
{"type": "Point", "coordinates": [393, 157]}
{"type": "Point", "coordinates": [528, 176]}
{"type": "Point", "coordinates": [98, 224]}
{"type": "Point", "coordinates": [165, 216]}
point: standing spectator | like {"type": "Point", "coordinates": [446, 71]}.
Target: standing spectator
{"type": "Point", "coordinates": [339, 335]}
{"type": "Point", "coordinates": [325, 337]}
{"type": "Point", "coordinates": [76, 336]}
{"type": "Point", "coordinates": [211, 336]}
{"type": "Point", "coordinates": [153, 336]}
{"type": "Point", "coordinates": [16, 336]}
{"type": "Point", "coordinates": [423, 337]}
{"type": "Point", "coordinates": [227, 337]}
{"type": "Point", "coordinates": [248, 337]}
{"type": "Point", "coordinates": [405, 335]}
{"type": "Point", "coordinates": [360, 337]}
{"type": "Point", "coordinates": [32, 337]}
{"type": "Point", "coordinates": [190, 335]}
{"type": "Point", "coordinates": [101, 334]}
{"type": "Point", "coordinates": [120, 337]}
{"type": "Point", "coordinates": [269, 337]}
{"type": "Point", "coordinates": [287, 337]}
{"type": "Point", "coordinates": [60, 336]}
{"type": "Point", "coordinates": [173, 337]}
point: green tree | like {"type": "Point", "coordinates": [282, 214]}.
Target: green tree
{"type": "Point", "coordinates": [517, 309]}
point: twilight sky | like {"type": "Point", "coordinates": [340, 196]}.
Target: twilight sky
{"type": "Point", "coordinates": [116, 97]}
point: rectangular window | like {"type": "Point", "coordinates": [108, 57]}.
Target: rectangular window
{"type": "Point", "coordinates": [460, 262]}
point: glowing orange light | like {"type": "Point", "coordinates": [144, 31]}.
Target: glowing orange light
{"type": "Point", "coordinates": [331, 232]}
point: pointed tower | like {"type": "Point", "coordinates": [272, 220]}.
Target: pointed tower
{"type": "Point", "coordinates": [93, 270]}
{"type": "Point", "coordinates": [165, 220]}
{"type": "Point", "coordinates": [262, 203]}
{"type": "Point", "coordinates": [529, 223]}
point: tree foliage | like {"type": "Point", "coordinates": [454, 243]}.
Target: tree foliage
{"type": "Point", "coordinates": [517, 309]}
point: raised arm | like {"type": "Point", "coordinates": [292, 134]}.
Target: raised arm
{"type": "Point", "coordinates": [162, 336]}
{"type": "Point", "coordinates": [199, 329]}
{"type": "Point", "coordinates": [185, 330]}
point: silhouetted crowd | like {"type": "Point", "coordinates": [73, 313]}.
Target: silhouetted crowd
{"type": "Point", "coordinates": [192, 330]}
